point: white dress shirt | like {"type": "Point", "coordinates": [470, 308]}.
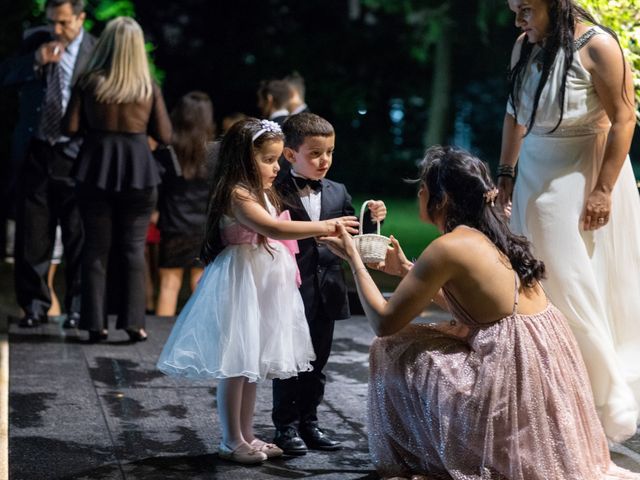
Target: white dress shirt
{"type": "Point", "coordinates": [311, 200]}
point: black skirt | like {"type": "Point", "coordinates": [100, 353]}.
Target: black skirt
{"type": "Point", "coordinates": [179, 250]}
{"type": "Point", "coordinates": [116, 161]}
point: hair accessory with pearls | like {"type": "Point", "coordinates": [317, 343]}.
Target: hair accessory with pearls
{"type": "Point", "coordinates": [266, 126]}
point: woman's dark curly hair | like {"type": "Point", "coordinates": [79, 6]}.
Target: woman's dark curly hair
{"type": "Point", "coordinates": [459, 181]}
{"type": "Point", "coordinates": [563, 16]}
{"type": "Point", "coordinates": [236, 167]}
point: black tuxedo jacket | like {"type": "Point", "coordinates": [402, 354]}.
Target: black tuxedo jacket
{"type": "Point", "coordinates": [19, 71]}
{"type": "Point", "coordinates": [323, 283]}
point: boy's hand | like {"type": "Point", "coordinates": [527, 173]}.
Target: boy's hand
{"type": "Point", "coordinates": [378, 210]}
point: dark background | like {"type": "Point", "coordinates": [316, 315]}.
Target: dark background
{"type": "Point", "coordinates": [370, 69]}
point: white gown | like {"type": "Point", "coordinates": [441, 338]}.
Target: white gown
{"type": "Point", "coordinates": [593, 277]}
{"type": "Point", "coordinates": [246, 316]}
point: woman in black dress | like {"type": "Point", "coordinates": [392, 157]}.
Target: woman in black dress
{"type": "Point", "coordinates": [183, 200]}
{"type": "Point", "coordinates": [117, 105]}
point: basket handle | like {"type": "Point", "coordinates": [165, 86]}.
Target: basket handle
{"type": "Point", "coordinates": [362, 209]}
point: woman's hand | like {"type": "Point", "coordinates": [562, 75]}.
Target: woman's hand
{"type": "Point", "coordinates": [350, 224]}
{"type": "Point", "coordinates": [395, 262]}
{"type": "Point", "coordinates": [378, 210]}
{"type": "Point", "coordinates": [597, 210]}
{"type": "Point", "coordinates": [505, 192]}
{"type": "Point", "coordinates": [341, 244]}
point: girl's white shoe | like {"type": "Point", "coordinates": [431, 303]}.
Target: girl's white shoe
{"type": "Point", "coordinates": [245, 454]}
{"type": "Point", "coordinates": [271, 450]}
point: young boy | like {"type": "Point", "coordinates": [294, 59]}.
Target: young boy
{"type": "Point", "coordinates": [309, 145]}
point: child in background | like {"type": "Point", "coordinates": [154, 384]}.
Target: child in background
{"type": "Point", "coordinates": [309, 145]}
{"type": "Point", "coordinates": [245, 321]}
{"type": "Point", "coordinates": [183, 199]}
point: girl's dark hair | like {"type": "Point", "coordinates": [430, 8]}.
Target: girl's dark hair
{"type": "Point", "coordinates": [563, 15]}
{"type": "Point", "coordinates": [236, 167]}
{"type": "Point", "coordinates": [193, 128]}
{"type": "Point", "coordinates": [463, 180]}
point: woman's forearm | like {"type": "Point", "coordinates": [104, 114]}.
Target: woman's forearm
{"type": "Point", "coordinates": [512, 134]}
{"type": "Point", "coordinates": [615, 153]}
{"type": "Point", "coordinates": [371, 298]}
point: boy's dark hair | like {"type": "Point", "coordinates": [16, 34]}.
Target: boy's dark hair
{"type": "Point", "coordinates": [297, 127]}
{"type": "Point", "coordinates": [76, 5]}
{"type": "Point", "coordinates": [463, 180]}
{"type": "Point", "coordinates": [280, 91]}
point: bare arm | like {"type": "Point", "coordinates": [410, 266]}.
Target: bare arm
{"type": "Point", "coordinates": [159, 122]}
{"type": "Point", "coordinates": [512, 134]}
{"type": "Point", "coordinates": [250, 213]}
{"type": "Point", "coordinates": [422, 283]}
{"type": "Point", "coordinates": [608, 69]}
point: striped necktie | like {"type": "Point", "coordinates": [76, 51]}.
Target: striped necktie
{"type": "Point", "coordinates": [51, 116]}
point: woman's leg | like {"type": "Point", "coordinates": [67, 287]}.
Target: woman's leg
{"type": "Point", "coordinates": [170, 283]}
{"type": "Point", "coordinates": [230, 404]}
{"type": "Point", "coordinates": [196, 273]}
{"type": "Point", "coordinates": [54, 309]}
{"type": "Point", "coordinates": [130, 232]}
{"type": "Point", "coordinates": [96, 210]}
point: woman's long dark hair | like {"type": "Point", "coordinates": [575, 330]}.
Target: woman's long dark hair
{"type": "Point", "coordinates": [235, 167]}
{"type": "Point", "coordinates": [563, 16]}
{"type": "Point", "coordinates": [463, 180]}
{"type": "Point", "coordinates": [193, 128]}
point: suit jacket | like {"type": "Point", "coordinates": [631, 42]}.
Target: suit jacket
{"type": "Point", "coordinates": [323, 283]}
{"type": "Point", "coordinates": [19, 71]}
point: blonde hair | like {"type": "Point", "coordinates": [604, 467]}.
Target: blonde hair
{"type": "Point", "coordinates": [118, 70]}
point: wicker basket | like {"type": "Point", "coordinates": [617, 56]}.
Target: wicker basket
{"type": "Point", "coordinates": [372, 247]}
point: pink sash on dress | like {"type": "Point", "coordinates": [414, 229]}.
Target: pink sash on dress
{"type": "Point", "coordinates": [238, 234]}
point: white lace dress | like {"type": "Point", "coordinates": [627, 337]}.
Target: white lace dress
{"type": "Point", "coordinates": [593, 277]}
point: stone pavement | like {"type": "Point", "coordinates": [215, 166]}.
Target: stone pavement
{"type": "Point", "coordinates": [80, 411]}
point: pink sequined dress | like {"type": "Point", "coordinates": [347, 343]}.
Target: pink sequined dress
{"type": "Point", "coordinates": [246, 316]}
{"type": "Point", "coordinates": [509, 400]}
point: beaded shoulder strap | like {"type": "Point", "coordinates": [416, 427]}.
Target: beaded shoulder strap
{"type": "Point", "coordinates": [584, 38]}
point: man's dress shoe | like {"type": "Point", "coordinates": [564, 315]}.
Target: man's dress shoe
{"type": "Point", "coordinates": [290, 442]}
{"type": "Point", "coordinates": [30, 321]}
{"type": "Point", "coordinates": [316, 439]}
{"type": "Point", "coordinates": [72, 321]}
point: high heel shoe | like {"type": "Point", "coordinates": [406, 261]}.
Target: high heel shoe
{"type": "Point", "coordinates": [96, 336]}
{"type": "Point", "coordinates": [136, 335]}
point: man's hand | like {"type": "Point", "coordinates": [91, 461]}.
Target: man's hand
{"type": "Point", "coordinates": [50, 52]}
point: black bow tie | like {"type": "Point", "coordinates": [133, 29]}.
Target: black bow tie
{"type": "Point", "coordinates": [315, 185]}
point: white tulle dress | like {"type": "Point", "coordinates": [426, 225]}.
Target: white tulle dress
{"type": "Point", "coordinates": [246, 316]}
{"type": "Point", "coordinates": [593, 277]}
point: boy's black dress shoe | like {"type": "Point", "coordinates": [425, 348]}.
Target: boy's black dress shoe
{"type": "Point", "coordinates": [290, 442]}
{"type": "Point", "coordinates": [72, 321]}
{"type": "Point", "coordinates": [316, 439]}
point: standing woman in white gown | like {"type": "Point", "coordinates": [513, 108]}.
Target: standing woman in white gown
{"type": "Point", "coordinates": [569, 124]}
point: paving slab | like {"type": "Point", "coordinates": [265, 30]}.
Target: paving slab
{"type": "Point", "coordinates": [82, 411]}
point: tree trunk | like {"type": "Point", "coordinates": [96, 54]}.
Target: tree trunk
{"type": "Point", "coordinates": [440, 101]}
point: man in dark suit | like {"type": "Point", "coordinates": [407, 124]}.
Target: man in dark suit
{"type": "Point", "coordinates": [309, 144]}
{"type": "Point", "coordinates": [297, 102]}
{"type": "Point", "coordinates": [273, 98]}
{"type": "Point", "coordinates": [48, 64]}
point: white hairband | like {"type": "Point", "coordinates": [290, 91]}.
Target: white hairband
{"type": "Point", "coordinates": [266, 126]}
